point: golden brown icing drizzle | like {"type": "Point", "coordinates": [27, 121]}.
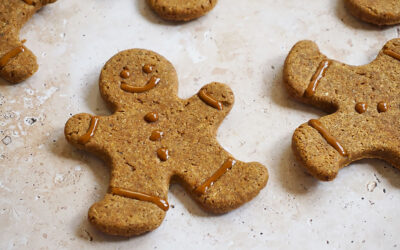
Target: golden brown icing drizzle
{"type": "Point", "coordinates": [11, 54]}
{"type": "Point", "coordinates": [94, 122]}
{"type": "Point", "coordinates": [327, 136]}
{"type": "Point", "coordinates": [209, 100]}
{"type": "Point", "coordinates": [156, 135]}
{"type": "Point", "coordinates": [163, 154]}
{"type": "Point", "coordinates": [391, 53]}
{"type": "Point", "coordinates": [147, 68]}
{"type": "Point", "coordinates": [125, 74]}
{"type": "Point", "coordinates": [163, 204]}
{"type": "Point", "coordinates": [361, 107]}
{"type": "Point", "coordinates": [150, 84]}
{"type": "Point", "coordinates": [312, 87]}
{"type": "Point", "coordinates": [30, 2]}
{"type": "Point", "coordinates": [228, 164]}
{"type": "Point", "coordinates": [383, 107]}
{"type": "Point", "coordinates": [151, 117]}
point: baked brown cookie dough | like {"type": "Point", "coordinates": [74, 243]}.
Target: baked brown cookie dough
{"type": "Point", "coordinates": [154, 136]}
{"type": "Point", "coordinates": [181, 10]}
{"type": "Point", "coordinates": [380, 12]}
{"type": "Point", "coordinates": [364, 102]}
{"type": "Point", "coordinates": [17, 63]}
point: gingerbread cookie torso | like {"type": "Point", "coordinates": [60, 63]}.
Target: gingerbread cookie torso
{"type": "Point", "coordinates": [17, 63]}
{"type": "Point", "coordinates": [181, 10]}
{"type": "Point", "coordinates": [380, 12]}
{"type": "Point", "coordinates": [364, 102]}
{"type": "Point", "coordinates": [154, 136]}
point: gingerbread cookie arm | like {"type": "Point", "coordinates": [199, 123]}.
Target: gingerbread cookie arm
{"type": "Point", "coordinates": [81, 130]}
{"type": "Point", "coordinates": [305, 74]}
{"type": "Point", "coordinates": [17, 62]}
{"type": "Point", "coordinates": [212, 102]}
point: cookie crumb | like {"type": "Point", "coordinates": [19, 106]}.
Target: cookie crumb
{"type": "Point", "coordinates": [30, 121]}
{"type": "Point", "coordinates": [371, 186]}
{"type": "Point", "coordinates": [7, 140]}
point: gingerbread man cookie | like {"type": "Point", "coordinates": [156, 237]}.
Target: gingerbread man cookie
{"type": "Point", "coordinates": [380, 12]}
{"type": "Point", "coordinates": [17, 63]}
{"type": "Point", "coordinates": [154, 136]}
{"type": "Point", "coordinates": [178, 10]}
{"type": "Point", "coordinates": [364, 102]}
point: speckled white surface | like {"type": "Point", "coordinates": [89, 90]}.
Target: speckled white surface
{"type": "Point", "coordinates": [47, 186]}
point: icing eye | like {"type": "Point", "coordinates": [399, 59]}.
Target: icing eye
{"type": "Point", "coordinates": [125, 73]}
{"type": "Point", "coordinates": [147, 68]}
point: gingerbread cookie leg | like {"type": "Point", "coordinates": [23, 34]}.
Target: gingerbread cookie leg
{"type": "Point", "coordinates": [225, 184]}
{"type": "Point", "coordinates": [125, 216]}
{"type": "Point", "coordinates": [17, 63]}
{"type": "Point", "coordinates": [319, 150]}
{"type": "Point", "coordinates": [134, 205]}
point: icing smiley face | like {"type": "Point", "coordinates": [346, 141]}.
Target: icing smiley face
{"type": "Point", "coordinates": [154, 136]}
{"type": "Point", "coordinates": [363, 101]}
{"type": "Point", "coordinates": [17, 63]}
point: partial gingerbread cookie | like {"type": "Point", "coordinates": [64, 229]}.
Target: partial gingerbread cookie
{"type": "Point", "coordinates": [17, 63]}
{"type": "Point", "coordinates": [380, 12]}
{"type": "Point", "coordinates": [154, 136]}
{"type": "Point", "coordinates": [178, 10]}
{"type": "Point", "coordinates": [364, 100]}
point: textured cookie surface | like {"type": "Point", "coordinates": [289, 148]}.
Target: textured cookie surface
{"type": "Point", "coordinates": [380, 12]}
{"type": "Point", "coordinates": [153, 137]}
{"type": "Point", "coordinates": [17, 63]}
{"type": "Point", "coordinates": [365, 101]}
{"type": "Point", "coordinates": [181, 10]}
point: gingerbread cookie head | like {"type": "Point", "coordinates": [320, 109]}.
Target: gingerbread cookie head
{"type": "Point", "coordinates": [154, 136]}
{"type": "Point", "coordinates": [17, 63]}
{"type": "Point", "coordinates": [178, 10]}
{"type": "Point", "coordinates": [382, 12]}
{"type": "Point", "coordinates": [137, 77]}
{"type": "Point", "coordinates": [364, 102]}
